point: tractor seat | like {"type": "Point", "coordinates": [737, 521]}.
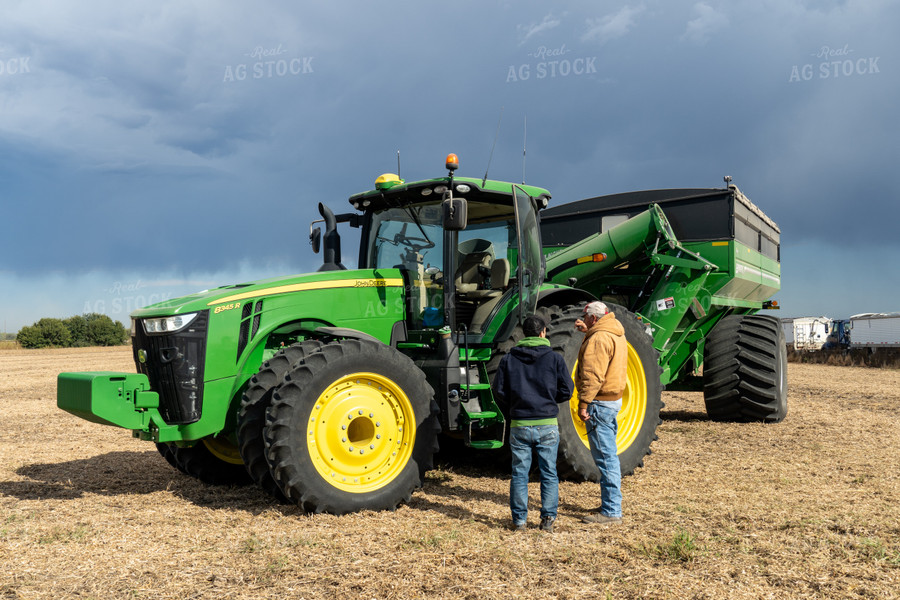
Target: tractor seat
{"type": "Point", "coordinates": [487, 300]}
{"type": "Point", "coordinates": [475, 257]}
{"type": "Point", "coordinates": [499, 281]}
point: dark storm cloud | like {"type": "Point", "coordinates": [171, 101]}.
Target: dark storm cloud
{"type": "Point", "coordinates": [136, 145]}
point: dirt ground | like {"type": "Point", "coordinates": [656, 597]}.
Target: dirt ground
{"type": "Point", "coordinates": [808, 508]}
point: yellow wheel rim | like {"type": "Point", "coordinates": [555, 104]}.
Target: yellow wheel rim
{"type": "Point", "coordinates": [634, 404]}
{"type": "Point", "coordinates": [223, 450]}
{"type": "Point", "coordinates": [361, 432]}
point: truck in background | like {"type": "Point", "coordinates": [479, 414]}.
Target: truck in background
{"type": "Point", "coordinates": [810, 333]}
{"type": "Point", "coordinates": [875, 330]}
{"type": "Point", "coordinates": [838, 337]}
{"type": "Point", "coordinates": [787, 327]}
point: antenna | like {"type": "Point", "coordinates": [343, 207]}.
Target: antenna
{"type": "Point", "coordinates": [398, 164]}
{"type": "Point", "coordinates": [483, 181]}
{"type": "Point", "coordinates": [524, 146]}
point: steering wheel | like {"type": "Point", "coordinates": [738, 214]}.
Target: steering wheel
{"type": "Point", "coordinates": [415, 243]}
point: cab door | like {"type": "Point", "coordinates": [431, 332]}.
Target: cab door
{"type": "Point", "coordinates": [530, 263]}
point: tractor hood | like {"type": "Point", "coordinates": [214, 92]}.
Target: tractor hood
{"type": "Point", "coordinates": [231, 296]}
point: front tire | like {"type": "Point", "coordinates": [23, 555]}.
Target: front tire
{"type": "Point", "coordinates": [745, 370]}
{"type": "Point", "coordinates": [212, 460]}
{"type": "Point", "coordinates": [641, 400]}
{"type": "Point", "coordinates": [352, 427]}
{"type": "Point", "coordinates": [252, 415]}
{"type": "Point", "coordinates": [165, 450]}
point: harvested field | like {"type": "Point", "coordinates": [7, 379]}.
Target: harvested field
{"type": "Point", "coordinates": [809, 508]}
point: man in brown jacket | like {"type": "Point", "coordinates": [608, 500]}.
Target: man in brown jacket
{"type": "Point", "coordinates": [600, 380]}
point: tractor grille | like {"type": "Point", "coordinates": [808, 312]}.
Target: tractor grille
{"type": "Point", "coordinates": [174, 365]}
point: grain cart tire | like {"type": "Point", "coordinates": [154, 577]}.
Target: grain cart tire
{"type": "Point", "coordinates": [641, 401]}
{"type": "Point", "coordinates": [211, 460]}
{"type": "Point", "coordinates": [352, 427]}
{"type": "Point", "coordinates": [252, 415]}
{"type": "Point", "coordinates": [745, 370]}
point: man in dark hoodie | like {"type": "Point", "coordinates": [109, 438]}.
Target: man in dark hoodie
{"type": "Point", "coordinates": [531, 381]}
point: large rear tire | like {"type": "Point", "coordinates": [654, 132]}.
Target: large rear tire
{"type": "Point", "coordinates": [641, 401]}
{"type": "Point", "coordinates": [352, 427]}
{"type": "Point", "coordinates": [547, 313]}
{"type": "Point", "coordinates": [745, 370]}
{"type": "Point", "coordinates": [252, 415]}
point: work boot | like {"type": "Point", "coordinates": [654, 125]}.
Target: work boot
{"type": "Point", "coordinates": [547, 524]}
{"type": "Point", "coordinates": [519, 527]}
{"type": "Point", "coordinates": [599, 519]}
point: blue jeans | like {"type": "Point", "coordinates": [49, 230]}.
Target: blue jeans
{"type": "Point", "coordinates": [522, 440]}
{"type": "Point", "coordinates": [601, 430]}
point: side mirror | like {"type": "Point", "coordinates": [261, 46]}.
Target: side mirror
{"type": "Point", "coordinates": [315, 239]}
{"type": "Point", "coordinates": [456, 214]}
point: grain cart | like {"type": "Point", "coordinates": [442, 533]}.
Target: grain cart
{"type": "Point", "coordinates": [695, 285]}
{"type": "Point", "coordinates": [330, 389]}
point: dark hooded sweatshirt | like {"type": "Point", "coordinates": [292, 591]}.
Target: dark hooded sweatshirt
{"type": "Point", "coordinates": [531, 380]}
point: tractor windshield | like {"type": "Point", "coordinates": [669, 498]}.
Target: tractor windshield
{"type": "Point", "coordinates": [487, 253]}
{"type": "Point", "coordinates": [410, 238]}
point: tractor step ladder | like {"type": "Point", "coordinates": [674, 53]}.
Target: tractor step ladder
{"type": "Point", "coordinates": [484, 425]}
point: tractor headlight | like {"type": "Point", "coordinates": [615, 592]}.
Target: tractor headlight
{"type": "Point", "coordinates": [168, 324]}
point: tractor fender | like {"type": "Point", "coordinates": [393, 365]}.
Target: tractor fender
{"type": "Point", "coordinates": [563, 296]}
{"type": "Point", "coordinates": [346, 332]}
{"type": "Point", "coordinates": [317, 330]}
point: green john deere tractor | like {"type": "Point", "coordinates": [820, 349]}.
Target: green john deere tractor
{"type": "Point", "coordinates": [331, 389]}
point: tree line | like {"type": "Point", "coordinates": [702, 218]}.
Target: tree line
{"type": "Point", "coordinates": [92, 329]}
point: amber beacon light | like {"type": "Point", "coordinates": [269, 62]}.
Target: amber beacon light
{"type": "Point", "coordinates": [452, 162]}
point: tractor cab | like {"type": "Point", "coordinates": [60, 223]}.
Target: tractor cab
{"type": "Point", "coordinates": [470, 257]}
{"type": "Point", "coordinates": [469, 249]}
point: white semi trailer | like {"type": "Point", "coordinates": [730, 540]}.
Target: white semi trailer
{"type": "Point", "coordinates": [875, 330]}
{"type": "Point", "coordinates": [787, 325]}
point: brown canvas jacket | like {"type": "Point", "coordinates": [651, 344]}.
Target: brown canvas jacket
{"type": "Point", "coordinates": [602, 361]}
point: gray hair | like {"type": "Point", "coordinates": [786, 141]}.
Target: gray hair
{"type": "Point", "coordinates": [597, 309]}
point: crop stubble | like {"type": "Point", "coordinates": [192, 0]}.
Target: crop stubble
{"type": "Point", "coordinates": [807, 508]}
